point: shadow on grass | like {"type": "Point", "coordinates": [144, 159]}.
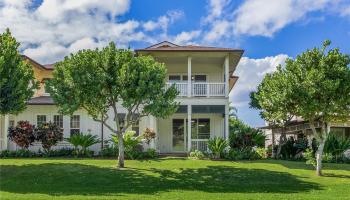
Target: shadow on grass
{"type": "Point", "coordinates": [77, 179]}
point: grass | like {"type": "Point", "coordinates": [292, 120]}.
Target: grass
{"type": "Point", "coordinates": [169, 178]}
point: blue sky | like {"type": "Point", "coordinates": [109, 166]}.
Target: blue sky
{"type": "Point", "coordinates": [268, 30]}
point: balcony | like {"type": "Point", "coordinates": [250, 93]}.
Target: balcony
{"type": "Point", "coordinates": [202, 89]}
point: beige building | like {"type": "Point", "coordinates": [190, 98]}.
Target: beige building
{"type": "Point", "coordinates": [204, 76]}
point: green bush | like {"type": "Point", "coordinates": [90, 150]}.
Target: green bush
{"type": "Point", "coordinates": [292, 148]}
{"type": "Point", "coordinates": [242, 154]}
{"type": "Point", "coordinates": [109, 151]}
{"type": "Point", "coordinates": [243, 136]}
{"type": "Point", "coordinates": [197, 155]}
{"type": "Point", "coordinates": [21, 153]}
{"type": "Point", "coordinates": [336, 146]}
{"type": "Point", "coordinates": [150, 153]}
{"type": "Point", "coordinates": [309, 155]}
{"type": "Point", "coordinates": [262, 152]}
{"type": "Point", "coordinates": [82, 142]}
{"type": "Point", "coordinates": [217, 145]}
{"type": "Point", "coordinates": [62, 152]}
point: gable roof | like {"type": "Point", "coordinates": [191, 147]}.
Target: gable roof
{"type": "Point", "coordinates": [35, 63]}
{"type": "Point", "coordinates": [166, 46]}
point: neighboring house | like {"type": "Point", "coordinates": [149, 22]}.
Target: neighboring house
{"type": "Point", "coordinates": [299, 128]}
{"type": "Point", "coordinates": [203, 76]}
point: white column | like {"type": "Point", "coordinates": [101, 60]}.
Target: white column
{"type": "Point", "coordinates": [6, 127]}
{"type": "Point", "coordinates": [189, 120]}
{"type": "Point", "coordinates": [189, 76]}
{"type": "Point", "coordinates": [227, 76]}
{"type": "Point", "coordinates": [226, 122]}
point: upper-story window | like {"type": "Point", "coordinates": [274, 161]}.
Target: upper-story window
{"type": "Point", "coordinates": [174, 78]}
{"type": "Point", "coordinates": [195, 78]}
{"type": "Point", "coordinates": [44, 81]}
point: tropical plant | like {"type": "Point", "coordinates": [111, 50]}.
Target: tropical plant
{"type": "Point", "coordinates": [17, 82]}
{"type": "Point", "coordinates": [336, 146]}
{"type": "Point", "coordinates": [99, 80]}
{"type": "Point", "coordinates": [49, 134]}
{"type": "Point", "coordinates": [242, 135]}
{"type": "Point", "coordinates": [217, 145]}
{"type": "Point", "coordinates": [81, 142]}
{"type": "Point", "coordinates": [22, 134]}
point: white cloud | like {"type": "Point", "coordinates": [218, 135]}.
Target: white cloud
{"type": "Point", "coordinates": [251, 72]}
{"type": "Point", "coordinates": [256, 17]}
{"type": "Point", "coordinates": [216, 9]}
{"type": "Point", "coordinates": [163, 21]}
{"type": "Point", "coordinates": [186, 37]}
{"type": "Point", "coordinates": [55, 28]}
{"type": "Point", "coordinates": [218, 30]}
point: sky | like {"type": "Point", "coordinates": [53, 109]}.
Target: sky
{"type": "Point", "coordinates": [270, 31]}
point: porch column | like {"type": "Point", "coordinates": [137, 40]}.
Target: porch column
{"type": "Point", "coordinates": [6, 127]}
{"type": "Point", "coordinates": [189, 76]}
{"type": "Point", "coordinates": [227, 76]}
{"type": "Point", "coordinates": [189, 120]}
{"type": "Point", "coordinates": [226, 124]}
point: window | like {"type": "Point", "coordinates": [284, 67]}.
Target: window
{"type": "Point", "coordinates": [200, 128]}
{"type": "Point", "coordinates": [135, 127]}
{"type": "Point", "coordinates": [40, 119]}
{"type": "Point", "coordinates": [199, 78]}
{"type": "Point", "coordinates": [174, 78]}
{"type": "Point", "coordinates": [44, 81]}
{"type": "Point", "coordinates": [58, 120]}
{"type": "Point", "coordinates": [12, 123]}
{"type": "Point", "coordinates": [74, 124]}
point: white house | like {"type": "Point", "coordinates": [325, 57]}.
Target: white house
{"type": "Point", "coordinates": [203, 98]}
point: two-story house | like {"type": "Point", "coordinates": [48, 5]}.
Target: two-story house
{"type": "Point", "coordinates": [203, 76]}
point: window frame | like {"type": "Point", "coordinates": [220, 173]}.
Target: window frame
{"type": "Point", "coordinates": [37, 120]}
{"type": "Point", "coordinates": [73, 130]}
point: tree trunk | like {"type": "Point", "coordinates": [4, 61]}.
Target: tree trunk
{"type": "Point", "coordinates": [283, 139]}
{"type": "Point", "coordinates": [273, 154]}
{"type": "Point", "coordinates": [319, 154]}
{"type": "Point", "coordinates": [121, 151]}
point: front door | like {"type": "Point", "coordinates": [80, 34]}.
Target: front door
{"type": "Point", "coordinates": [179, 139]}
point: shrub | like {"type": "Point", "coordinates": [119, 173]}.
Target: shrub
{"type": "Point", "coordinates": [150, 153]}
{"type": "Point", "coordinates": [21, 153]}
{"type": "Point", "coordinates": [262, 152]}
{"type": "Point", "coordinates": [82, 142]}
{"type": "Point", "coordinates": [309, 155]}
{"type": "Point", "coordinates": [336, 146]}
{"type": "Point", "coordinates": [242, 154]}
{"type": "Point", "coordinates": [109, 151]}
{"type": "Point", "coordinates": [242, 135]}
{"type": "Point", "coordinates": [292, 148]}
{"type": "Point", "coordinates": [63, 152]}
{"type": "Point", "coordinates": [22, 134]}
{"type": "Point", "coordinates": [49, 134]}
{"type": "Point", "coordinates": [217, 146]}
{"type": "Point", "coordinates": [197, 155]}
{"type": "Point", "coordinates": [149, 135]}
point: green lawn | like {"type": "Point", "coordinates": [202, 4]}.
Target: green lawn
{"type": "Point", "coordinates": [169, 178]}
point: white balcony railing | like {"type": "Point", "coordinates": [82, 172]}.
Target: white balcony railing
{"type": "Point", "coordinates": [181, 87]}
{"type": "Point", "coordinates": [204, 89]}
{"type": "Point", "coordinates": [199, 144]}
{"type": "Point", "coordinates": [208, 89]}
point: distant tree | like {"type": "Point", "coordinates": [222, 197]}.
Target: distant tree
{"type": "Point", "coordinates": [272, 98]}
{"type": "Point", "coordinates": [320, 82]}
{"type": "Point", "coordinates": [100, 80]}
{"type": "Point", "coordinates": [17, 83]}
